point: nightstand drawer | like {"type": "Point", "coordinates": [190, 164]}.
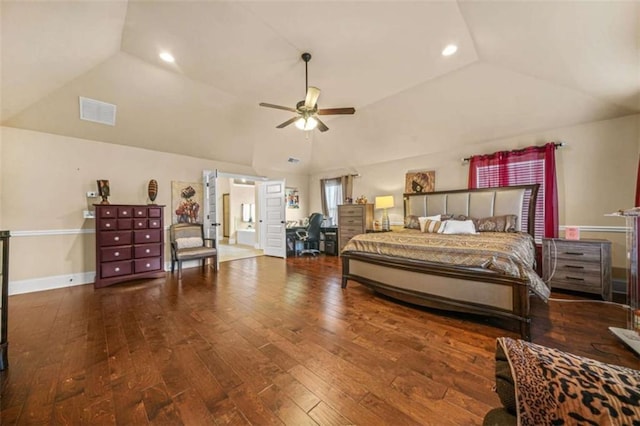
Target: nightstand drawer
{"type": "Point", "coordinates": [577, 252]}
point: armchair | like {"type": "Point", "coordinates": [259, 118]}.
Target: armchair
{"type": "Point", "coordinates": [188, 243]}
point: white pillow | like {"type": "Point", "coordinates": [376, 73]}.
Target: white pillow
{"type": "Point", "coordinates": [424, 220]}
{"type": "Point", "coordinates": [189, 242]}
{"type": "Point", "coordinates": [459, 227]}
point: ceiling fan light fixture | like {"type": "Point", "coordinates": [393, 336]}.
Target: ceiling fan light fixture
{"type": "Point", "coordinates": [306, 123]}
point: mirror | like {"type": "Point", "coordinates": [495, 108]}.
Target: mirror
{"type": "Point", "coordinates": [248, 212]}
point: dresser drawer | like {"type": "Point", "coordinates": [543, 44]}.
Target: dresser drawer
{"type": "Point", "coordinates": [110, 254]}
{"type": "Point", "coordinates": [147, 250]}
{"type": "Point", "coordinates": [154, 212]}
{"type": "Point", "coordinates": [140, 223]}
{"type": "Point", "coordinates": [155, 223]}
{"type": "Point", "coordinates": [351, 230]}
{"type": "Point", "coordinates": [139, 212]}
{"type": "Point", "coordinates": [108, 224]}
{"type": "Point", "coordinates": [124, 224]}
{"type": "Point", "coordinates": [125, 212]}
{"type": "Point", "coordinates": [107, 212]}
{"type": "Point", "coordinates": [114, 269]}
{"type": "Point", "coordinates": [144, 265]}
{"type": "Point", "coordinates": [351, 211]}
{"type": "Point", "coordinates": [146, 236]}
{"type": "Point", "coordinates": [115, 238]}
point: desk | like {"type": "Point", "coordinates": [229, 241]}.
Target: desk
{"type": "Point", "coordinates": [328, 240]}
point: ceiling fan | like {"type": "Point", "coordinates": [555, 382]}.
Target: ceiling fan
{"type": "Point", "coordinates": [307, 111]}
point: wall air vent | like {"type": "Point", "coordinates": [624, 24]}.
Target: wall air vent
{"type": "Point", "coordinates": [97, 111]}
{"type": "Point", "coordinates": [243, 182]}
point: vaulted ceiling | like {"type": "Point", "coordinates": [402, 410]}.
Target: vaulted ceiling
{"type": "Point", "coordinates": [521, 66]}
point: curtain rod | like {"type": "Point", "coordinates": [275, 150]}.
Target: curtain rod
{"type": "Point", "coordinates": [557, 145]}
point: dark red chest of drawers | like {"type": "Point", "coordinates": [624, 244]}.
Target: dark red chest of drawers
{"type": "Point", "coordinates": [129, 243]}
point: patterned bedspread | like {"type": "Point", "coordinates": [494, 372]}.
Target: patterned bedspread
{"type": "Point", "coordinates": [508, 253]}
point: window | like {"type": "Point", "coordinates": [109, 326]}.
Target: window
{"type": "Point", "coordinates": [522, 167]}
{"type": "Point", "coordinates": [332, 190]}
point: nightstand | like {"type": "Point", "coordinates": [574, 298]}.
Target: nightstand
{"type": "Point", "coordinates": [580, 265]}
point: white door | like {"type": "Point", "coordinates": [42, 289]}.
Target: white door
{"type": "Point", "coordinates": [272, 218]}
{"type": "Point", "coordinates": [211, 224]}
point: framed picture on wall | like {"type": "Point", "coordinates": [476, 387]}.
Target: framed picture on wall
{"type": "Point", "coordinates": [187, 202]}
{"type": "Point", "coordinates": [292, 198]}
{"type": "Point", "coordinates": [419, 182]}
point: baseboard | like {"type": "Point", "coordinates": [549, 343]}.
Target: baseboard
{"type": "Point", "coordinates": [71, 280]}
{"type": "Point", "coordinates": [50, 283]}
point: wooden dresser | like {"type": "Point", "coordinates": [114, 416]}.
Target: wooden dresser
{"type": "Point", "coordinates": [580, 265]}
{"type": "Point", "coordinates": [129, 243]}
{"type": "Point", "coordinates": [353, 219]}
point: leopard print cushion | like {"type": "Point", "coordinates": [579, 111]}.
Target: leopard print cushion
{"type": "Point", "coordinates": [557, 388]}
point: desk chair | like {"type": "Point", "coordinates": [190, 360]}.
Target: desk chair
{"type": "Point", "coordinates": [310, 237]}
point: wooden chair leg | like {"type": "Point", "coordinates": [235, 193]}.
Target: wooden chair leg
{"type": "Point", "coordinates": [179, 269]}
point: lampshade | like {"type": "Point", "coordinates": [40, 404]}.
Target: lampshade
{"type": "Point", "coordinates": [384, 202]}
{"type": "Point", "coordinates": [306, 123]}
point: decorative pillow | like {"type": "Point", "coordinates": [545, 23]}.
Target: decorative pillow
{"type": "Point", "coordinates": [423, 220]}
{"type": "Point", "coordinates": [459, 227]}
{"type": "Point", "coordinates": [411, 222]}
{"type": "Point", "coordinates": [504, 223]}
{"type": "Point", "coordinates": [453, 216]}
{"type": "Point", "coordinates": [433, 226]}
{"type": "Point", "coordinates": [189, 242]}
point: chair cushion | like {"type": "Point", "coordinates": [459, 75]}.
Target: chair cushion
{"type": "Point", "coordinates": [188, 242]}
{"type": "Point", "coordinates": [195, 253]}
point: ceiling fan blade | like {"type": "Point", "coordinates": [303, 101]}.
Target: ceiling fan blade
{"type": "Point", "coordinates": [321, 126]}
{"type": "Point", "coordinates": [286, 123]}
{"type": "Point", "coordinates": [335, 111]}
{"type": "Point", "coordinates": [277, 107]}
{"type": "Point", "coordinates": [313, 93]}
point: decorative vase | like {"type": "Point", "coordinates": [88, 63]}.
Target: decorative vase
{"type": "Point", "coordinates": [152, 190]}
{"type": "Point", "coordinates": [103, 190]}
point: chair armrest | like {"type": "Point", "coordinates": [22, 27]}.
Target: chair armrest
{"type": "Point", "coordinates": [301, 234]}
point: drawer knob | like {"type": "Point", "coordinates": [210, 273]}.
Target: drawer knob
{"type": "Point", "coordinates": [124, 213]}
{"type": "Point", "coordinates": [574, 266]}
{"type": "Point", "coordinates": [139, 213]}
{"type": "Point", "coordinates": [148, 265]}
{"type": "Point", "coordinates": [108, 213]}
{"type": "Point", "coordinates": [574, 253]}
{"type": "Point", "coordinates": [108, 225]}
{"type": "Point", "coordinates": [116, 254]}
{"type": "Point", "coordinates": [147, 251]}
{"type": "Point", "coordinates": [140, 224]}
{"type": "Point", "coordinates": [117, 269]}
{"type": "Point", "coordinates": [147, 236]}
{"type": "Point", "coordinates": [116, 238]}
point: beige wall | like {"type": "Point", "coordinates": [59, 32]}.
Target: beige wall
{"type": "Point", "coordinates": [50, 175]}
{"type": "Point", "coordinates": [596, 174]}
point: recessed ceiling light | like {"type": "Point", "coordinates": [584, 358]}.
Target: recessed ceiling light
{"type": "Point", "coordinates": [167, 57]}
{"type": "Point", "coordinates": [449, 50]}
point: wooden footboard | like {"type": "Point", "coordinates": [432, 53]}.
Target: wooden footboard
{"type": "Point", "coordinates": [443, 287]}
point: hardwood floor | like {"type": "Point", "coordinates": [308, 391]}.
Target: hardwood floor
{"type": "Point", "coordinates": [265, 341]}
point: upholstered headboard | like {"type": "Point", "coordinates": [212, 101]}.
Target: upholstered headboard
{"type": "Point", "coordinates": [478, 203]}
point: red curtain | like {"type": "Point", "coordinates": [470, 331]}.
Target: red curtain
{"type": "Point", "coordinates": [501, 169]}
{"type": "Point", "coordinates": [637, 204]}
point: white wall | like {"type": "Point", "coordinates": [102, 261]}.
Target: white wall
{"type": "Point", "coordinates": [52, 245]}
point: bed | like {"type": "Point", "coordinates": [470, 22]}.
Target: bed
{"type": "Point", "coordinates": [488, 273]}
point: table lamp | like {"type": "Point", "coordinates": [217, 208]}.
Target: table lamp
{"type": "Point", "coordinates": [384, 202]}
